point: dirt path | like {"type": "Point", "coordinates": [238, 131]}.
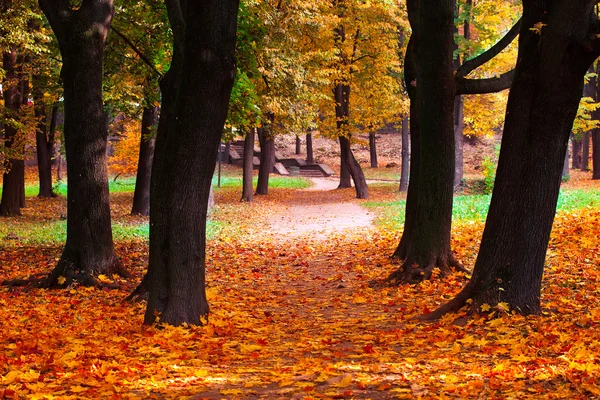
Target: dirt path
{"type": "Point", "coordinates": [319, 221]}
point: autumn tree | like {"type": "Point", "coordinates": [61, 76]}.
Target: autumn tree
{"type": "Point", "coordinates": [81, 32]}
{"type": "Point", "coordinates": [558, 42]}
{"type": "Point", "coordinates": [196, 92]}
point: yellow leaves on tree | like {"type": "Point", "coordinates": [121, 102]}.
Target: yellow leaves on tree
{"type": "Point", "coordinates": [126, 147]}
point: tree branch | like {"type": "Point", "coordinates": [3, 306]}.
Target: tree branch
{"type": "Point", "coordinates": [177, 22]}
{"type": "Point", "coordinates": [474, 63]}
{"type": "Point", "coordinates": [137, 51]}
{"type": "Point", "coordinates": [482, 86]}
{"type": "Point", "coordinates": [58, 13]}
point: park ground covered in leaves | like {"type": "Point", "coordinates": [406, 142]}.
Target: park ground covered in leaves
{"type": "Point", "coordinates": [297, 316]}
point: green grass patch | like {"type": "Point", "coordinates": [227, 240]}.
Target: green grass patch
{"type": "Point", "coordinates": [469, 208]}
{"type": "Point", "coordinates": [275, 182]}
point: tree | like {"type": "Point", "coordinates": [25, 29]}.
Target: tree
{"type": "Point", "coordinates": [141, 195]}
{"type": "Point", "coordinates": [196, 92]}
{"type": "Point", "coordinates": [81, 32]}
{"type": "Point", "coordinates": [425, 242]}
{"type": "Point", "coordinates": [557, 39]}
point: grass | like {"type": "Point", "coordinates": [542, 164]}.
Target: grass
{"type": "Point", "coordinates": [275, 182]}
{"type": "Point", "coordinates": [474, 208]}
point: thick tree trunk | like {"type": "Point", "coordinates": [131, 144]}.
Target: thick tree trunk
{"type": "Point", "coordinates": [410, 77]}
{"type": "Point", "coordinates": [89, 248]}
{"type": "Point", "coordinates": [585, 152]}
{"type": "Point", "coordinates": [267, 161]}
{"type": "Point", "coordinates": [141, 195]}
{"type": "Point", "coordinates": [10, 205]}
{"type": "Point", "coordinates": [187, 161]}
{"type": "Point", "coordinates": [309, 149]}
{"type": "Point", "coordinates": [540, 113]}
{"type": "Point", "coordinates": [373, 149]}
{"type": "Point", "coordinates": [248, 166]}
{"type": "Point", "coordinates": [354, 170]}
{"type": "Point", "coordinates": [576, 154]}
{"type": "Point", "coordinates": [429, 246]}
{"type": "Point", "coordinates": [405, 156]}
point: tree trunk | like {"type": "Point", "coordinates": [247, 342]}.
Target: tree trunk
{"type": "Point", "coordinates": [585, 152]}
{"type": "Point", "coordinates": [565, 171]}
{"type": "Point", "coordinates": [309, 149]}
{"type": "Point", "coordinates": [373, 150]}
{"type": "Point", "coordinates": [25, 92]}
{"type": "Point", "coordinates": [10, 205]}
{"type": "Point", "coordinates": [541, 108]}
{"type": "Point", "coordinates": [298, 145]}
{"type": "Point", "coordinates": [89, 249]}
{"type": "Point", "coordinates": [345, 178]}
{"type": "Point", "coordinates": [405, 156]}
{"type": "Point", "coordinates": [354, 170]}
{"type": "Point", "coordinates": [410, 76]}
{"type": "Point", "coordinates": [141, 196]}
{"type": "Point", "coordinates": [576, 155]}
{"type": "Point", "coordinates": [248, 166]}
{"type": "Point", "coordinates": [267, 161]}
{"type": "Point", "coordinates": [458, 140]}
{"type": "Point", "coordinates": [429, 246]}
{"type": "Point", "coordinates": [204, 80]}
{"type": "Point", "coordinates": [44, 143]}
{"type": "Point", "coordinates": [596, 153]}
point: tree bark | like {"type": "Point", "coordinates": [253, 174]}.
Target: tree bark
{"type": "Point", "coordinates": [309, 149]}
{"type": "Point", "coordinates": [204, 33]}
{"type": "Point", "coordinates": [141, 195]}
{"type": "Point", "coordinates": [354, 170]}
{"type": "Point", "coordinates": [429, 244]}
{"type": "Point", "coordinates": [81, 35]}
{"type": "Point", "coordinates": [345, 178]}
{"type": "Point", "coordinates": [585, 152]}
{"type": "Point", "coordinates": [267, 161]}
{"type": "Point", "coordinates": [459, 141]}
{"type": "Point", "coordinates": [373, 150]}
{"type": "Point", "coordinates": [44, 143]}
{"type": "Point", "coordinates": [10, 204]}
{"type": "Point", "coordinates": [248, 166]}
{"type": "Point", "coordinates": [540, 114]}
{"type": "Point", "coordinates": [405, 156]}
{"type": "Point", "coordinates": [576, 154]}
{"type": "Point", "coordinates": [298, 145]}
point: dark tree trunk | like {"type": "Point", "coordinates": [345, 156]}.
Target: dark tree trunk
{"type": "Point", "coordinates": [576, 154]}
{"type": "Point", "coordinates": [596, 132]}
{"type": "Point", "coordinates": [10, 205]}
{"type": "Point", "coordinates": [44, 144]}
{"type": "Point", "coordinates": [585, 152]}
{"type": "Point", "coordinates": [248, 166]}
{"type": "Point", "coordinates": [429, 246]}
{"type": "Point", "coordinates": [354, 170]}
{"type": "Point", "coordinates": [25, 92]}
{"type": "Point", "coordinates": [204, 33]}
{"type": "Point", "coordinates": [309, 149]}
{"type": "Point", "coordinates": [541, 108]}
{"type": "Point", "coordinates": [565, 171]}
{"type": "Point", "coordinates": [458, 140]}
{"type": "Point", "coordinates": [81, 35]}
{"type": "Point", "coordinates": [405, 156]}
{"type": "Point", "coordinates": [141, 196]}
{"type": "Point", "coordinates": [373, 150]}
{"type": "Point", "coordinates": [410, 76]}
{"type": "Point", "coordinates": [298, 145]}
{"type": "Point", "coordinates": [267, 161]}
{"type": "Point", "coordinates": [345, 178]}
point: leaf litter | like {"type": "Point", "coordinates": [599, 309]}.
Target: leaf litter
{"type": "Point", "coordinates": [296, 318]}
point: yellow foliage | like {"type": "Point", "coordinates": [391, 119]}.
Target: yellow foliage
{"type": "Point", "coordinates": [125, 158]}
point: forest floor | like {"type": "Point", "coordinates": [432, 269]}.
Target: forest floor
{"type": "Point", "coordinates": [293, 314]}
